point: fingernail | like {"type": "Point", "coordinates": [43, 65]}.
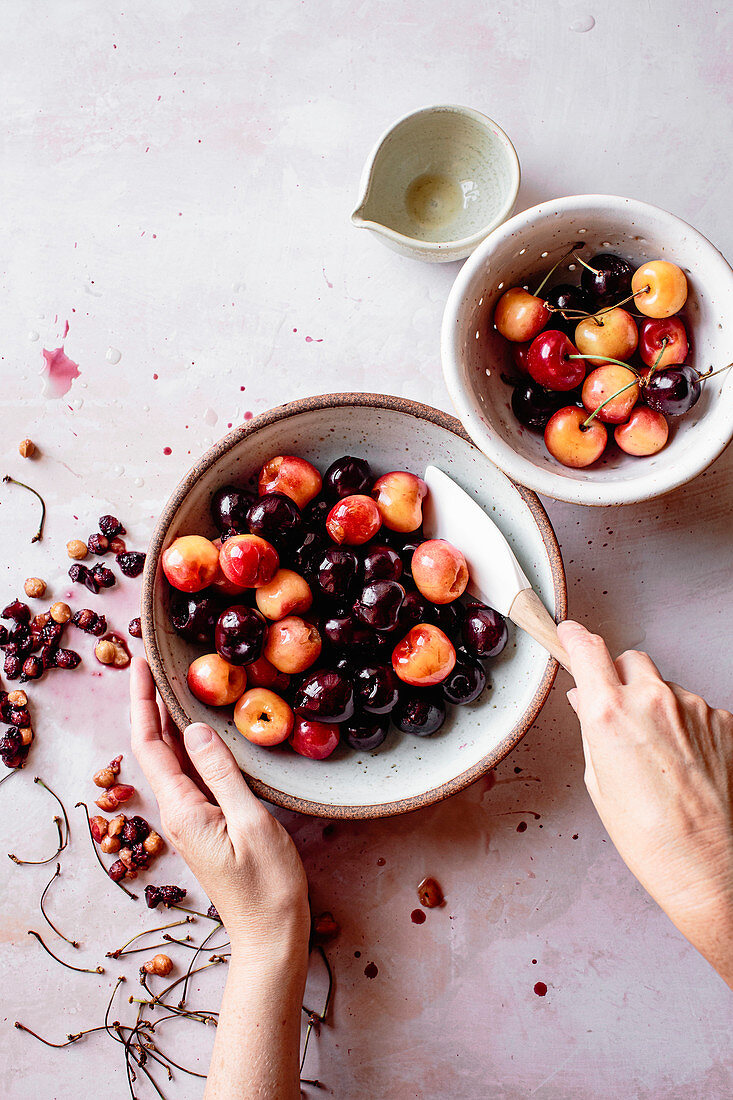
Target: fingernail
{"type": "Point", "coordinates": [198, 736]}
{"type": "Point", "coordinates": [568, 626]}
{"type": "Point", "coordinates": [572, 697]}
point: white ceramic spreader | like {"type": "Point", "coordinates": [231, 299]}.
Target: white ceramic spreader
{"type": "Point", "coordinates": [437, 182]}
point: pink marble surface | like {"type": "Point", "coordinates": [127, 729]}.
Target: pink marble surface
{"type": "Point", "coordinates": [176, 185]}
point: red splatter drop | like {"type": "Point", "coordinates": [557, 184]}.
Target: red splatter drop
{"type": "Point", "coordinates": [540, 989]}
{"type": "Point", "coordinates": [155, 377]}
{"type": "Point", "coordinates": [309, 339]}
{"type": "Point", "coordinates": [242, 388]}
{"type": "Point", "coordinates": [371, 970]}
{"type": "Point", "coordinates": [534, 962]}
{"type": "Point", "coordinates": [417, 916]}
{"type": "Point", "coordinates": [167, 451]}
{"type": "Point", "coordinates": [381, 861]}
{"type": "Point", "coordinates": [521, 827]}
{"type": "Point", "coordinates": [59, 370]}
{"type": "Point", "coordinates": [248, 415]}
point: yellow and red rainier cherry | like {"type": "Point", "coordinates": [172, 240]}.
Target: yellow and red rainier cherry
{"type": "Point", "coordinates": [399, 496]}
{"type": "Point", "coordinates": [519, 315]}
{"type": "Point", "coordinates": [612, 334]}
{"type": "Point", "coordinates": [440, 571]}
{"type": "Point", "coordinates": [221, 583]}
{"type": "Point", "coordinates": [353, 520]}
{"type": "Point", "coordinates": [263, 717]}
{"type": "Point", "coordinates": [316, 740]}
{"type": "Point", "coordinates": [190, 563]}
{"type": "Point", "coordinates": [424, 657]}
{"type": "Point", "coordinates": [292, 645]}
{"type": "Point", "coordinates": [214, 681]}
{"type": "Point", "coordinates": [261, 673]}
{"type": "Point", "coordinates": [286, 594]}
{"type": "Point", "coordinates": [571, 444]}
{"type": "Point", "coordinates": [660, 288]}
{"type": "Point", "coordinates": [292, 476]}
{"type": "Point", "coordinates": [644, 433]}
{"type": "Point", "coordinates": [248, 560]}
{"type": "Point", "coordinates": [602, 384]}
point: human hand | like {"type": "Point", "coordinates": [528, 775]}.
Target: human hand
{"type": "Point", "coordinates": [659, 769]}
{"type": "Point", "coordinates": [239, 852]}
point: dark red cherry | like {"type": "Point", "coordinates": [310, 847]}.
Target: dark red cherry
{"type": "Point", "coordinates": [414, 610]}
{"type": "Point", "coordinates": [337, 573]}
{"type": "Point", "coordinates": [194, 616]}
{"type": "Point", "coordinates": [240, 634]}
{"type": "Point", "coordinates": [673, 391]}
{"type": "Point", "coordinates": [533, 405]}
{"type": "Point", "coordinates": [382, 563]}
{"type": "Point", "coordinates": [610, 281]}
{"type": "Point", "coordinates": [229, 507]}
{"type": "Point", "coordinates": [365, 732]}
{"type": "Point", "coordinates": [379, 604]}
{"type": "Point", "coordinates": [347, 477]}
{"type": "Point", "coordinates": [421, 711]}
{"type": "Point", "coordinates": [326, 696]}
{"type": "Point", "coordinates": [567, 297]}
{"type": "Point", "coordinates": [344, 632]}
{"type": "Point", "coordinates": [376, 688]}
{"type": "Point", "coordinates": [465, 683]}
{"type": "Point", "coordinates": [484, 631]}
{"type": "Point", "coordinates": [276, 518]}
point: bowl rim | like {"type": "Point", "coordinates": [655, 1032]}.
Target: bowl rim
{"type": "Point", "coordinates": [416, 244]}
{"type": "Point", "coordinates": [555, 483]}
{"type": "Point", "coordinates": [233, 439]}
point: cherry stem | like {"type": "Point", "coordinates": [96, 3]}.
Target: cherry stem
{"type": "Point", "coordinates": [70, 1039]}
{"type": "Point", "coordinates": [586, 265]}
{"type": "Point", "coordinates": [195, 913]}
{"type": "Point", "coordinates": [39, 533]}
{"type": "Point", "coordinates": [606, 359]}
{"type": "Point", "coordinates": [46, 917]}
{"type": "Point", "coordinates": [79, 969]}
{"type": "Point", "coordinates": [317, 1017]}
{"type": "Point", "coordinates": [6, 777]}
{"type": "Point", "coordinates": [586, 423]}
{"type": "Point", "coordinates": [579, 244]}
{"type": "Point", "coordinates": [96, 853]}
{"type": "Point", "coordinates": [711, 373]}
{"type": "Point", "coordinates": [655, 364]}
{"type": "Point", "coordinates": [148, 931]}
{"type": "Point", "coordinates": [40, 862]}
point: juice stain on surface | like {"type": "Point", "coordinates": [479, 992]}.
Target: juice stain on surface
{"type": "Point", "coordinates": [59, 372]}
{"type": "Point", "coordinates": [540, 989]}
{"type": "Point", "coordinates": [433, 200]}
{"type": "Point", "coordinates": [371, 970]}
{"type": "Point", "coordinates": [417, 916]}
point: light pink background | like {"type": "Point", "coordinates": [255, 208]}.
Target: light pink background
{"type": "Point", "coordinates": [176, 182]}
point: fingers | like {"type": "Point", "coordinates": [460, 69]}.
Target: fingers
{"type": "Point", "coordinates": [156, 758]}
{"type": "Point", "coordinates": [591, 662]}
{"type": "Point", "coordinates": [636, 666]}
{"type": "Point", "coordinates": [220, 772]}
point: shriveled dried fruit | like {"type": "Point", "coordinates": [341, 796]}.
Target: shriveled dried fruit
{"type": "Point", "coordinates": [105, 777]}
{"type": "Point", "coordinates": [163, 895]}
{"type": "Point", "coordinates": [12, 666]}
{"type": "Point", "coordinates": [117, 871]}
{"type": "Point", "coordinates": [26, 736]}
{"type": "Point", "coordinates": [135, 830]}
{"type": "Point", "coordinates": [111, 650]}
{"type": "Point", "coordinates": [66, 658]}
{"type": "Point", "coordinates": [111, 526]}
{"type": "Point", "coordinates": [131, 563]}
{"type": "Point", "coordinates": [81, 575]}
{"type": "Point", "coordinates": [26, 448]}
{"type": "Point", "coordinates": [117, 545]}
{"type": "Point", "coordinates": [213, 912]}
{"type": "Point", "coordinates": [160, 965]}
{"type": "Point", "coordinates": [32, 669]}
{"type": "Point", "coordinates": [50, 633]}
{"type": "Point", "coordinates": [89, 621]}
{"type": "Point", "coordinates": [126, 858]}
{"type": "Point", "coordinates": [116, 825]}
{"type": "Point", "coordinates": [60, 612]}
{"type": "Point", "coordinates": [135, 628]}
{"type": "Point", "coordinates": [18, 699]}
{"type": "Point", "coordinates": [18, 611]}
{"type": "Point", "coordinates": [99, 826]}
{"type": "Point", "coordinates": [115, 797]}
{"type": "Point", "coordinates": [110, 845]}
{"type": "Point", "coordinates": [76, 549]}
{"type": "Point", "coordinates": [35, 588]}
{"type": "Point", "coordinates": [104, 577]}
{"type": "Point", "coordinates": [98, 544]}
{"type": "Point", "coordinates": [18, 715]}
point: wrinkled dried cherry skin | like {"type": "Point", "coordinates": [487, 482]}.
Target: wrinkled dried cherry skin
{"type": "Point", "coordinates": [347, 476]}
{"type": "Point", "coordinates": [484, 632]}
{"type": "Point", "coordinates": [325, 696]}
{"type": "Point", "coordinates": [420, 712]}
{"type": "Point", "coordinates": [240, 634]}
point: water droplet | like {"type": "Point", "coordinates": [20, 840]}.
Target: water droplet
{"type": "Point", "coordinates": [210, 417]}
{"type": "Point", "coordinates": [585, 23]}
{"type": "Point", "coordinates": [113, 355]}
{"type": "Point", "coordinates": [77, 403]}
{"type": "Point", "coordinates": [138, 483]}
{"type": "Point", "coordinates": [146, 408]}
{"type": "Point", "coordinates": [118, 471]}
{"type": "Point", "coordinates": [33, 335]}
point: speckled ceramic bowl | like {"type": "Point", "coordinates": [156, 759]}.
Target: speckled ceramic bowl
{"type": "Point", "coordinates": [437, 182]}
{"type": "Point", "coordinates": [406, 772]}
{"type": "Point", "coordinates": [475, 355]}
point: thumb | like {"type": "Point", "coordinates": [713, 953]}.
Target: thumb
{"type": "Point", "coordinates": [219, 770]}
